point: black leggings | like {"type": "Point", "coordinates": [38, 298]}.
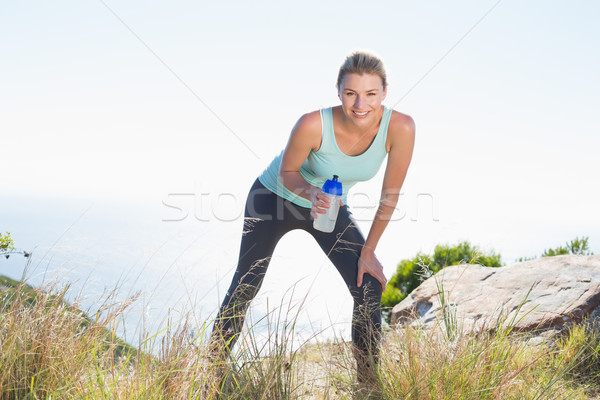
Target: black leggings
{"type": "Point", "coordinates": [267, 217]}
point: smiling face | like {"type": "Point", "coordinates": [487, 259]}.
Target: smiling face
{"type": "Point", "coordinates": [361, 97]}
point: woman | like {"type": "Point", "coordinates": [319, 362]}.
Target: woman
{"type": "Point", "coordinates": [350, 140]}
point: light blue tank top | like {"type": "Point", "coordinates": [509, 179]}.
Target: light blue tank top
{"type": "Point", "coordinates": [329, 160]}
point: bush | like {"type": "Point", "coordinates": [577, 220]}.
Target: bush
{"type": "Point", "coordinates": [410, 273]}
{"type": "Point", "coordinates": [6, 243]}
{"type": "Point", "coordinates": [577, 246]}
{"type": "Point", "coordinates": [7, 246]}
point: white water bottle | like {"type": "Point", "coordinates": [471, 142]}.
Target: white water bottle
{"type": "Point", "coordinates": [332, 189]}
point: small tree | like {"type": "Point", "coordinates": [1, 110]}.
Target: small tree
{"type": "Point", "coordinates": [577, 246]}
{"type": "Point", "coordinates": [6, 243]}
{"type": "Point", "coordinates": [7, 246]}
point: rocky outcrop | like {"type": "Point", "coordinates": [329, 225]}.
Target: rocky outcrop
{"type": "Point", "coordinates": [547, 293]}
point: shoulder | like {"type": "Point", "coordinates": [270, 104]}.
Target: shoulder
{"type": "Point", "coordinates": [308, 129]}
{"type": "Point", "coordinates": [310, 120]}
{"type": "Point", "coordinates": [401, 124]}
{"type": "Point", "coordinates": [401, 130]}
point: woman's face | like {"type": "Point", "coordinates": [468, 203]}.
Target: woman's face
{"type": "Point", "coordinates": [361, 97]}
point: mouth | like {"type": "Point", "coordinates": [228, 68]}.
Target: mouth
{"type": "Point", "coordinates": [360, 114]}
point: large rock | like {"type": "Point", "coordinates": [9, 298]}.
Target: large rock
{"type": "Point", "coordinates": [564, 289]}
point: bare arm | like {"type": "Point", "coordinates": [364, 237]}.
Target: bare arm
{"type": "Point", "coordinates": [305, 136]}
{"type": "Point", "coordinates": [402, 131]}
{"type": "Point", "coordinates": [399, 157]}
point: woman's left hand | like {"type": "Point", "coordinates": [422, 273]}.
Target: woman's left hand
{"type": "Point", "coordinates": [369, 264]}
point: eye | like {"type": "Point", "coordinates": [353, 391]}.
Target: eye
{"type": "Point", "coordinates": [372, 94]}
{"type": "Point", "coordinates": [349, 94]}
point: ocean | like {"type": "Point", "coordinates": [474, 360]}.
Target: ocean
{"type": "Point", "coordinates": [178, 269]}
{"type": "Point", "coordinates": [178, 261]}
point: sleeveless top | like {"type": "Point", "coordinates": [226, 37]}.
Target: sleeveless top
{"type": "Point", "coordinates": [329, 160]}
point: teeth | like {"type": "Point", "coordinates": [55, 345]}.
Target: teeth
{"type": "Point", "coordinates": [362, 113]}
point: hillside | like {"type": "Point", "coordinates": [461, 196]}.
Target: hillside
{"type": "Point", "coordinates": [49, 349]}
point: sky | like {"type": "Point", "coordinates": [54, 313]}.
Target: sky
{"type": "Point", "coordinates": [169, 110]}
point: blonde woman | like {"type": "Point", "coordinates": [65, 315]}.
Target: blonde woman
{"type": "Point", "coordinates": [350, 140]}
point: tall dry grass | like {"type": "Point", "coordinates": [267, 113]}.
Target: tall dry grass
{"type": "Point", "coordinates": [51, 350]}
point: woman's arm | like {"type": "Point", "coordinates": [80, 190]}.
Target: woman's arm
{"type": "Point", "coordinates": [401, 133]}
{"type": "Point", "coordinates": [305, 136]}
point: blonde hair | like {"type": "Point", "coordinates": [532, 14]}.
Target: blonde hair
{"type": "Point", "coordinates": [361, 62]}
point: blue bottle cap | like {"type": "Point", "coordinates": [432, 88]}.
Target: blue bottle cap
{"type": "Point", "coordinates": [332, 186]}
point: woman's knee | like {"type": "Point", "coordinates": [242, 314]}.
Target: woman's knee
{"type": "Point", "coordinates": [369, 292]}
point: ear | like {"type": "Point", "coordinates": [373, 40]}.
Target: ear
{"type": "Point", "coordinates": [384, 94]}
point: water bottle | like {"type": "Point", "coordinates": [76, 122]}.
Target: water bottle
{"type": "Point", "coordinates": [332, 189]}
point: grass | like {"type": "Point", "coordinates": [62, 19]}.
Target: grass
{"type": "Point", "coordinates": [51, 350]}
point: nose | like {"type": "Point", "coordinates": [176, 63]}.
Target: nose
{"type": "Point", "coordinates": [359, 102]}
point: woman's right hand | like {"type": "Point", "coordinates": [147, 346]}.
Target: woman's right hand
{"type": "Point", "coordinates": [320, 203]}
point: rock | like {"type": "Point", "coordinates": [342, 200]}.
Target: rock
{"type": "Point", "coordinates": [544, 294]}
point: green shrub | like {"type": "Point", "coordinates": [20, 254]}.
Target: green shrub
{"type": "Point", "coordinates": [6, 242]}
{"type": "Point", "coordinates": [7, 246]}
{"type": "Point", "coordinates": [577, 246]}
